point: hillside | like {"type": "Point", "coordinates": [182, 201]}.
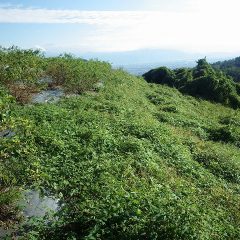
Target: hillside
{"type": "Point", "coordinates": [201, 81]}
{"type": "Point", "coordinates": [230, 67]}
{"type": "Point", "coordinates": [129, 160]}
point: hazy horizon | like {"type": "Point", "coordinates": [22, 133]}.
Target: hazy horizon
{"type": "Point", "coordinates": [149, 58]}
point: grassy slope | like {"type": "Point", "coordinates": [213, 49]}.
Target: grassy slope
{"type": "Point", "coordinates": [135, 161]}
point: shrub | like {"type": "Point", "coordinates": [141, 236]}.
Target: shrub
{"type": "Point", "coordinates": [160, 75]}
{"type": "Point", "coordinates": [16, 65]}
{"type": "Point", "coordinates": [77, 75]}
{"type": "Point", "coordinates": [22, 92]}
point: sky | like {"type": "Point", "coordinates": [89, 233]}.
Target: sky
{"type": "Point", "coordinates": [83, 26]}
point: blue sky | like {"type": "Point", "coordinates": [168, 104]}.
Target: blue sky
{"type": "Point", "coordinates": [99, 5]}
{"type": "Point", "coordinates": [83, 26]}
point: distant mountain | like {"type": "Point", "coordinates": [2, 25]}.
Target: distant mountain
{"type": "Point", "coordinates": [144, 56]}
{"type": "Point", "coordinates": [150, 57]}
{"type": "Point", "coordinates": [140, 61]}
{"type": "Point", "coordinates": [140, 69]}
{"type": "Point", "coordinates": [230, 67]}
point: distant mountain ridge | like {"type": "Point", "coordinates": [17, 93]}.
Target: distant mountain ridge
{"type": "Point", "coordinates": [149, 56]}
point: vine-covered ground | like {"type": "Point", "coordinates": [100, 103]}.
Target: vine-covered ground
{"type": "Point", "coordinates": [130, 161]}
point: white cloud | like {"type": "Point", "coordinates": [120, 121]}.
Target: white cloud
{"type": "Point", "coordinates": [29, 15]}
{"type": "Point", "coordinates": [38, 47]}
{"type": "Point", "coordinates": [205, 25]}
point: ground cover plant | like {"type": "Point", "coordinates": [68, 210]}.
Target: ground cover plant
{"type": "Point", "coordinates": [131, 161]}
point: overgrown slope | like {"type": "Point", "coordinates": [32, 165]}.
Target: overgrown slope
{"type": "Point", "coordinates": [133, 161]}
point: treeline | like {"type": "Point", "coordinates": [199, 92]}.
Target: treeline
{"type": "Point", "coordinates": [230, 67]}
{"type": "Point", "coordinates": [202, 81]}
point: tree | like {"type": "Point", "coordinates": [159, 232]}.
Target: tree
{"type": "Point", "coordinates": [161, 75]}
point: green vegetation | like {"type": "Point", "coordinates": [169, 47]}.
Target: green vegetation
{"type": "Point", "coordinates": [8, 192]}
{"type": "Point", "coordinates": [21, 70]}
{"type": "Point", "coordinates": [202, 81]}
{"type": "Point", "coordinates": [76, 75]}
{"type": "Point", "coordinates": [132, 161]}
{"type": "Point", "coordinates": [230, 67]}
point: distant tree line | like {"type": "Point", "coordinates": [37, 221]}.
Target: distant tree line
{"type": "Point", "coordinates": [202, 81]}
{"type": "Point", "coordinates": [230, 67]}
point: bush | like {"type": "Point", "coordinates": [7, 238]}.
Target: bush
{"type": "Point", "coordinates": [16, 65]}
{"type": "Point", "coordinates": [183, 76]}
{"type": "Point", "coordinates": [160, 75]}
{"type": "Point", "coordinates": [77, 75]}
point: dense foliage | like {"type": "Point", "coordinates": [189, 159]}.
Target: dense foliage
{"type": "Point", "coordinates": [201, 81]}
{"type": "Point", "coordinates": [133, 161]}
{"type": "Point", "coordinates": [25, 71]}
{"type": "Point", "coordinates": [76, 75]}
{"type": "Point", "coordinates": [18, 65]}
{"type": "Point", "coordinates": [230, 67]}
